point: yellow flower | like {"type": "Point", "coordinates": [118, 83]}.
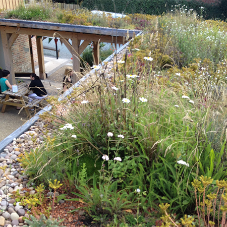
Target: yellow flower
{"type": "Point", "coordinates": [55, 185]}
{"type": "Point", "coordinates": [224, 196]}
{"type": "Point", "coordinates": [40, 188]}
{"type": "Point", "coordinates": [201, 190]}
{"type": "Point", "coordinates": [211, 223]}
{"type": "Point", "coordinates": [212, 196]}
{"type": "Point", "coordinates": [164, 207]}
{"type": "Point", "coordinates": [187, 220]}
{"type": "Point", "coordinates": [221, 183]}
{"type": "Point", "coordinates": [206, 180]}
{"type": "Point", "coordinates": [224, 208]}
{"type": "Point", "coordinates": [196, 183]}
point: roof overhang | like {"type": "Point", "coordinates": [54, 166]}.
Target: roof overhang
{"type": "Point", "coordinates": [68, 28]}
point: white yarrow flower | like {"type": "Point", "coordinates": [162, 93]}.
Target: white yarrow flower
{"type": "Point", "coordinates": [117, 159]}
{"type": "Point", "coordinates": [115, 88]}
{"type": "Point", "coordinates": [130, 76]}
{"type": "Point", "coordinates": [97, 67]}
{"type": "Point", "coordinates": [74, 136]}
{"type": "Point", "coordinates": [142, 99]}
{"type": "Point", "coordinates": [105, 157]}
{"type": "Point", "coordinates": [148, 58]}
{"type": "Point", "coordinates": [185, 97]}
{"type": "Point", "coordinates": [109, 134]}
{"type": "Point", "coordinates": [176, 106]}
{"type": "Point", "coordinates": [138, 190]}
{"type": "Point", "coordinates": [191, 101]}
{"type": "Point", "coordinates": [84, 102]}
{"type": "Point", "coordinates": [181, 162]}
{"type": "Point", "coordinates": [67, 126]}
{"type": "Point", "coordinates": [124, 100]}
{"type": "Point", "coordinates": [121, 136]}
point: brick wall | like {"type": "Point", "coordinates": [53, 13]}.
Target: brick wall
{"type": "Point", "coordinates": [21, 54]}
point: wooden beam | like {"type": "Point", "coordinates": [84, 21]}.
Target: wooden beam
{"type": "Point", "coordinates": [39, 43]}
{"type": "Point", "coordinates": [67, 44]}
{"type": "Point", "coordinates": [8, 56]}
{"type": "Point", "coordinates": [96, 53]}
{"type": "Point", "coordinates": [66, 35]}
{"type": "Point", "coordinates": [12, 39]}
{"type": "Point", "coordinates": [31, 53]}
{"type": "Point", "coordinates": [83, 46]}
{"type": "Point", "coordinates": [76, 56]}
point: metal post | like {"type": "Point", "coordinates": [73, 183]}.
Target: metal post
{"type": "Point", "coordinates": [56, 45]}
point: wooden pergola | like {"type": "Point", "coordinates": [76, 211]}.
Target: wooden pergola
{"type": "Point", "coordinates": [11, 29]}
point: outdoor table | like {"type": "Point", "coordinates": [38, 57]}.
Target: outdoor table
{"type": "Point", "coordinates": [22, 91]}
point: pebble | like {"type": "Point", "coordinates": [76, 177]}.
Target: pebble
{"type": "Point", "coordinates": [14, 157]}
{"type": "Point", "coordinates": [20, 220]}
{"type": "Point", "coordinates": [21, 212]}
{"type": "Point", "coordinates": [18, 207]}
{"type": "Point", "coordinates": [2, 221]}
{"type": "Point", "coordinates": [6, 215]}
{"type": "Point", "coordinates": [11, 210]}
{"type": "Point", "coordinates": [32, 192]}
{"type": "Point", "coordinates": [4, 203]}
{"type": "Point", "coordinates": [14, 216]}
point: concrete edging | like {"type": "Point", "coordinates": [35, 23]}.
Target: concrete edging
{"type": "Point", "coordinates": [30, 122]}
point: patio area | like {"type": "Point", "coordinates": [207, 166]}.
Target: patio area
{"type": "Point", "coordinates": [11, 120]}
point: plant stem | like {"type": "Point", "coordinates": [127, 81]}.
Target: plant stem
{"type": "Point", "coordinates": [171, 219]}
{"type": "Point", "coordinates": [53, 200]}
{"type": "Point", "coordinates": [215, 204]}
{"type": "Point", "coordinates": [220, 206]}
{"type": "Point", "coordinates": [197, 206]}
{"type": "Point", "coordinates": [204, 207]}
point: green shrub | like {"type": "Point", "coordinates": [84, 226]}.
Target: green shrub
{"type": "Point", "coordinates": [32, 12]}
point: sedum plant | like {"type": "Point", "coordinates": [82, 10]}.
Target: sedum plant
{"type": "Point", "coordinates": [42, 221]}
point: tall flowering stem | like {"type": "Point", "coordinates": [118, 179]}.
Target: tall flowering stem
{"type": "Point", "coordinates": [196, 184]}
{"type": "Point", "coordinates": [206, 181]}
{"type": "Point", "coordinates": [164, 208]}
{"type": "Point", "coordinates": [55, 185]}
{"type": "Point", "coordinates": [101, 104]}
{"type": "Point", "coordinates": [197, 206]}
{"type": "Point", "coordinates": [125, 87]}
{"type": "Point", "coordinates": [204, 205]}
{"type": "Point", "coordinates": [215, 203]}
{"type": "Point", "coordinates": [220, 205]}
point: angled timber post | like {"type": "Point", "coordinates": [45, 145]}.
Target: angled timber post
{"type": "Point", "coordinates": [39, 43]}
{"type": "Point", "coordinates": [96, 53]}
{"type": "Point", "coordinates": [7, 43]}
{"type": "Point", "coordinates": [75, 51]}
